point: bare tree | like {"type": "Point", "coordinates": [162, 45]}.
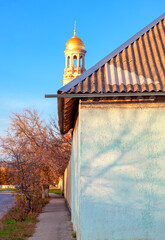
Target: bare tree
{"type": "Point", "coordinates": [37, 152]}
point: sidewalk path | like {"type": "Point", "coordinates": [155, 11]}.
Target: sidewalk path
{"type": "Point", "coordinates": [54, 222]}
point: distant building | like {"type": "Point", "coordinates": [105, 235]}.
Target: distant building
{"type": "Point", "coordinates": [74, 59]}
{"type": "Point", "coordinates": [117, 112]}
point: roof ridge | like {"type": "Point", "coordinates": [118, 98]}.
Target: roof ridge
{"type": "Point", "coordinates": [111, 55]}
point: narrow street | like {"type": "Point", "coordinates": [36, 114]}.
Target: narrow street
{"type": "Point", "coordinates": [6, 202]}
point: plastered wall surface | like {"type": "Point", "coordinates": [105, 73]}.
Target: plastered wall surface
{"type": "Point", "coordinates": [118, 172]}
{"type": "Point", "coordinates": [75, 180]}
{"type": "Point", "coordinates": [60, 183]}
{"type": "Point", "coordinates": [67, 184]}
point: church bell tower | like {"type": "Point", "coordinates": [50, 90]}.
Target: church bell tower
{"type": "Point", "coordinates": [74, 59]}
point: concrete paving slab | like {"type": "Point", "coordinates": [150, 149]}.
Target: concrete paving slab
{"type": "Point", "coordinates": [54, 222]}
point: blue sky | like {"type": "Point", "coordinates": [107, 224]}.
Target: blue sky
{"type": "Point", "coordinates": [33, 34]}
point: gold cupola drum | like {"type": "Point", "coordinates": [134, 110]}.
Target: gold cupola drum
{"type": "Point", "coordinates": [74, 59]}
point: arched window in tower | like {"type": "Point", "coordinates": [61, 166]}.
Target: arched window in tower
{"type": "Point", "coordinates": [75, 61]}
{"type": "Point", "coordinates": [68, 62]}
{"type": "Point", "coordinates": [81, 61]}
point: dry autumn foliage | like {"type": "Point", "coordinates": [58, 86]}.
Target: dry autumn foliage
{"type": "Point", "coordinates": [37, 153]}
{"type": "Point", "coordinates": [4, 176]}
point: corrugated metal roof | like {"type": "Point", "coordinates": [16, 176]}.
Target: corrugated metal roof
{"type": "Point", "coordinates": [136, 66]}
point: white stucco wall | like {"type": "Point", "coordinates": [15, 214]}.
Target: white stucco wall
{"type": "Point", "coordinates": [60, 183]}
{"type": "Point", "coordinates": [67, 184]}
{"type": "Point", "coordinates": [118, 172]}
{"type": "Point", "coordinates": [75, 179]}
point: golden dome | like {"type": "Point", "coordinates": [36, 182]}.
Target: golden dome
{"type": "Point", "coordinates": [75, 43]}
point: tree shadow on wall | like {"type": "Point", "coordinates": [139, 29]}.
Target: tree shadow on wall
{"type": "Point", "coordinates": [133, 179]}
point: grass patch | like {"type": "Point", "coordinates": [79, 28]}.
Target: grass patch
{"type": "Point", "coordinates": [74, 235]}
{"type": "Point", "coordinates": [56, 191]}
{"type": "Point", "coordinates": [7, 190]}
{"type": "Point", "coordinates": [13, 227]}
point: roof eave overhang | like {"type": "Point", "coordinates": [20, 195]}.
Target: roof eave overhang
{"type": "Point", "coordinates": [67, 107]}
{"type": "Point", "coordinates": [60, 113]}
{"type": "Point", "coordinates": [68, 104]}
